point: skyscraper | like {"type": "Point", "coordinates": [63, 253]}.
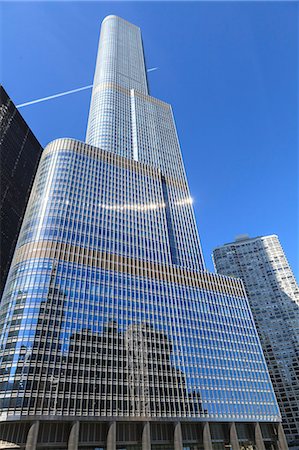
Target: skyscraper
{"type": "Point", "coordinates": [19, 156]}
{"type": "Point", "coordinates": [274, 299]}
{"type": "Point", "coordinates": [114, 335]}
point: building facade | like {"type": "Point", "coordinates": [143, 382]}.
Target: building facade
{"type": "Point", "coordinates": [113, 334]}
{"type": "Point", "coordinates": [274, 299]}
{"type": "Point", "coordinates": [19, 156]}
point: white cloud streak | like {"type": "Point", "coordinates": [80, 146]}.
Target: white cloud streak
{"type": "Point", "coordinates": [61, 94]}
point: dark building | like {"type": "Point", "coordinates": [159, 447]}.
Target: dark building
{"type": "Point", "coordinates": [20, 152]}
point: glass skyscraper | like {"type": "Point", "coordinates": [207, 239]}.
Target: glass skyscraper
{"type": "Point", "coordinates": [113, 333]}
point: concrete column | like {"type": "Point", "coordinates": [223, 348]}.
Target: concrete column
{"type": "Point", "coordinates": [282, 442]}
{"type": "Point", "coordinates": [233, 437]}
{"type": "Point", "coordinates": [177, 436]}
{"type": "Point", "coordinates": [32, 436]}
{"type": "Point", "coordinates": [111, 436]}
{"type": "Point", "coordinates": [259, 441]}
{"type": "Point", "coordinates": [207, 440]}
{"type": "Point", "coordinates": [74, 436]}
{"type": "Point", "coordinates": [146, 436]}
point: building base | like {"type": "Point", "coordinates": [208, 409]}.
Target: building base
{"type": "Point", "coordinates": [135, 434]}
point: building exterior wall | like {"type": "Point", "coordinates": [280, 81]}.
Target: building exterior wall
{"type": "Point", "coordinates": [94, 307]}
{"type": "Point", "coordinates": [273, 294]}
{"type": "Point", "coordinates": [19, 156]}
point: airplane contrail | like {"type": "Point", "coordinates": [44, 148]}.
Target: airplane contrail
{"type": "Point", "coordinates": [61, 94]}
{"type": "Point", "coordinates": [54, 96]}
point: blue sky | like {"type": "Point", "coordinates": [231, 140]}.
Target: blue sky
{"type": "Point", "coordinates": [230, 71]}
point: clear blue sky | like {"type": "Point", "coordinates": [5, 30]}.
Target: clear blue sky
{"type": "Point", "coordinates": [228, 69]}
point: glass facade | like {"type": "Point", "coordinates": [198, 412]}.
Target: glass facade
{"type": "Point", "coordinates": [98, 321]}
{"type": "Point", "coordinates": [125, 120]}
{"type": "Point", "coordinates": [108, 310]}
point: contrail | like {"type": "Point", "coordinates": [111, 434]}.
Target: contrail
{"type": "Point", "coordinates": [61, 94]}
{"type": "Point", "coordinates": [54, 96]}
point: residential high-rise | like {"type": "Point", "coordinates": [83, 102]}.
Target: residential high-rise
{"type": "Point", "coordinates": [274, 299]}
{"type": "Point", "coordinates": [114, 335]}
{"type": "Point", "coordinates": [19, 156]}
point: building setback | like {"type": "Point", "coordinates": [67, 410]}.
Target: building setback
{"type": "Point", "coordinates": [274, 299]}
{"type": "Point", "coordinates": [114, 334]}
{"type": "Point", "coordinates": [20, 153]}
